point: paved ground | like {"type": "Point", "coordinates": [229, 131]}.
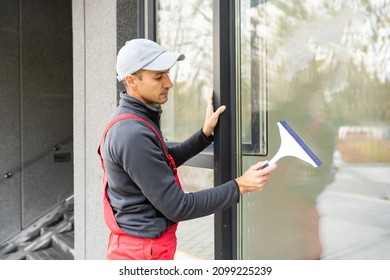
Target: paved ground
{"type": "Point", "coordinates": [196, 239]}
{"type": "Point", "coordinates": [355, 218]}
{"type": "Point", "coordinates": [355, 213]}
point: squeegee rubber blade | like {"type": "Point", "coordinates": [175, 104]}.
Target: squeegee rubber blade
{"type": "Point", "coordinates": [308, 151]}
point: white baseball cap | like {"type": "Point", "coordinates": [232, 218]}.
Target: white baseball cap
{"type": "Point", "coordinates": [145, 54]}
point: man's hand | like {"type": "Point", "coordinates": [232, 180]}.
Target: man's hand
{"type": "Point", "coordinates": [211, 118]}
{"type": "Point", "coordinates": [255, 178]}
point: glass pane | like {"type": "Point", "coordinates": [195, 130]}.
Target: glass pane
{"type": "Point", "coordinates": [328, 76]}
{"type": "Point", "coordinates": [185, 110]}
{"type": "Point", "coordinates": [186, 27]}
{"type": "Point", "coordinates": [196, 237]}
{"type": "Point", "coordinates": [252, 83]}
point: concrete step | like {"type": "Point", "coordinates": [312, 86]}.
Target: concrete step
{"type": "Point", "coordinates": [60, 248]}
{"type": "Point", "coordinates": [51, 237]}
{"type": "Point", "coordinates": [63, 243]}
{"type": "Point", "coordinates": [46, 254]}
{"type": "Point", "coordinates": [8, 249]}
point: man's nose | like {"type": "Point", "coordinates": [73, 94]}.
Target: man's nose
{"type": "Point", "coordinates": [167, 83]}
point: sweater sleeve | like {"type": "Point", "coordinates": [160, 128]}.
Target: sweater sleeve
{"type": "Point", "coordinates": [141, 156]}
{"type": "Point", "coordinates": [190, 147]}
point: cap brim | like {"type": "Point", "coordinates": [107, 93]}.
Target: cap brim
{"type": "Point", "coordinates": [164, 61]}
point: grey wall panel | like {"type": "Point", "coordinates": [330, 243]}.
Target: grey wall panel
{"type": "Point", "coordinates": [47, 47]}
{"type": "Point", "coordinates": [47, 104]}
{"type": "Point", "coordinates": [127, 21]}
{"type": "Point", "coordinates": [95, 86]}
{"type": "Point", "coordinates": [36, 91]}
{"type": "Point", "coordinates": [47, 174]}
{"type": "Point", "coordinates": [10, 98]}
{"type": "Point", "coordinates": [9, 19]}
{"type": "Point", "coordinates": [100, 100]}
{"type": "Point", "coordinates": [10, 207]}
{"type": "Point", "coordinates": [9, 130]}
{"type": "Point", "coordinates": [94, 56]}
{"type": "Point", "coordinates": [79, 137]}
{"type": "Point", "coordinates": [126, 27]}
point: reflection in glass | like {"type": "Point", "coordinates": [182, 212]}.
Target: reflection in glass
{"type": "Point", "coordinates": [196, 237]}
{"type": "Point", "coordinates": [252, 85]}
{"type": "Point", "coordinates": [328, 75]}
{"type": "Point", "coordinates": [186, 27]}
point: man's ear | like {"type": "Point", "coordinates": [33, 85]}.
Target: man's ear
{"type": "Point", "coordinates": [130, 81]}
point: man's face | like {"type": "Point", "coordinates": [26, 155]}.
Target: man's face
{"type": "Point", "coordinates": [152, 88]}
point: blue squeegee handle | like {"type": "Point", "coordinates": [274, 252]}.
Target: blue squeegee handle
{"type": "Point", "coordinates": [265, 166]}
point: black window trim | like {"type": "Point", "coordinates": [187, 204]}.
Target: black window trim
{"type": "Point", "coordinates": [225, 222]}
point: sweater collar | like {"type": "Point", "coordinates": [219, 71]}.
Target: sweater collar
{"type": "Point", "coordinates": [129, 102]}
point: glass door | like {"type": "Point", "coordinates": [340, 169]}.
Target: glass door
{"type": "Point", "coordinates": [323, 66]}
{"type": "Point", "coordinates": [186, 27]}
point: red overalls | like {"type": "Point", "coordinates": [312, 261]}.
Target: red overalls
{"type": "Point", "coordinates": [122, 246]}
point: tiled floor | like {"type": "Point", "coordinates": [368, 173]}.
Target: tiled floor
{"type": "Point", "coordinates": [196, 239]}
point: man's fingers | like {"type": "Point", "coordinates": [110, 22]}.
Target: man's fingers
{"type": "Point", "coordinates": [259, 165]}
{"type": "Point", "coordinates": [213, 119]}
{"type": "Point", "coordinates": [210, 106]}
{"type": "Point", "coordinates": [220, 110]}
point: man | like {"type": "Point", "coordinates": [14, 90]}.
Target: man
{"type": "Point", "coordinates": [143, 197]}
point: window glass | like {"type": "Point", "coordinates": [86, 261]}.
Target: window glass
{"type": "Point", "coordinates": [186, 27]}
{"type": "Point", "coordinates": [196, 237]}
{"type": "Point", "coordinates": [252, 82]}
{"type": "Point", "coordinates": [327, 73]}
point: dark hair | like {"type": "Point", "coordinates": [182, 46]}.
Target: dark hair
{"type": "Point", "coordinates": [138, 74]}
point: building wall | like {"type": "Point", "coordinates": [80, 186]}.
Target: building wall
{"type": "Point", "coordinates": [36, 110]}
{"type": "Point", "coordinates": [9, 117]}
{"type": "Point", "coordinates": [96, 25]}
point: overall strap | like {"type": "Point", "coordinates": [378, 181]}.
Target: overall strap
{"type": "Point", "coordinates": [109, 216]}
{"type": "Point", "coordinates": [133, 116]}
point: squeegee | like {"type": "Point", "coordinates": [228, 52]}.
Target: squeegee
{"type": "Point", "coordinates": [292, 145]}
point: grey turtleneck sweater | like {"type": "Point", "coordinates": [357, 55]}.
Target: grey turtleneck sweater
{"type": "Point", "coordinates": [142, 190]}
